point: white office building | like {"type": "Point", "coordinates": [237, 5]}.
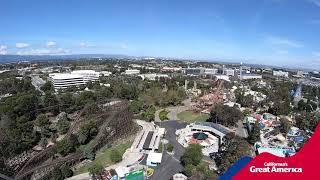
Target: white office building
{"type": "Point", "coordinates": [75, 78]}
{"type": "Point", "coordinates": [228, 72]}
{"type": "Point", "coordinates": [250, 76]}
{"type": "Point", "coordinates": [280, 73]}
{"type": "Point", "coordinates": [153, 76]}
{"type": "Point", "coordinates": [210, 71]}
{"type": "Point", "coordinates": [132, 71]}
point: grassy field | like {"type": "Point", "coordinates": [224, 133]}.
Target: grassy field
{"type": "Point", "coordinates": [103, 155]}
{"type": "Point", "coordinates": [190, 116]}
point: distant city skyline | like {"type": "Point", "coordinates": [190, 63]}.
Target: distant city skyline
{"type": "Point", "coordinates": [270, 32]}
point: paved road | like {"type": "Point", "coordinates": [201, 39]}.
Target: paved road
{"type": "Point", "coordinates": [175, 110]}
{"type": "Point", "coordinates": [170, 165]}
{"type": "Point", "coordinates": [37, 82]}
{"type": "Point", "coordinates": [156, 116]}
{"type": "Point", "coordinates": [241, 131]}
{"type": "Point", "coordinates": [131, 156]}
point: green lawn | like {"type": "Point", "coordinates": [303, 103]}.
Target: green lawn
{"type": "Point", "coordinates": [103, 155]}
{"type": "Point", "coordinates": [190, 116]}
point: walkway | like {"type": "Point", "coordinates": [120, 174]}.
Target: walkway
{"type": "Point", "coordinates": [131, 156]}
{"type": "Point", "coordinates": [174, 111]}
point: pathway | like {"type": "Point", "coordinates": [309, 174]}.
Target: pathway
{"type": "Point", "coordinates": [174, 111]}
{"type": "Point", "coordinates": [131, 156]}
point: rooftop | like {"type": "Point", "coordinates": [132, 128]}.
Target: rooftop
{"type": "Point", "coordinates": [65, 76]}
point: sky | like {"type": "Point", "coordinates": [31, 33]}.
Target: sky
{"type": "Point", "coordinates": [274, 32]}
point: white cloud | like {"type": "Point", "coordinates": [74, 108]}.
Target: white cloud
{"type": "Point", "coordinates": [283, 41]}
{"type": "Point", "coordinates": [316, 53]}
{"type": "Point", "coordinates": [22, 45]}
{"type": "Point", "coordinates": [50, 44]}
{"type": "Point", "coordinates": [44, 51]}
{"type": "Point", "coordinates": [315, 2]}
{"type": "Point", "coordinates": [3, 50]}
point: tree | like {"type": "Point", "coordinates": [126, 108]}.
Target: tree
{"type": "Point", "coordinates": [254, 135]}
{"type": "Point", "coordinates": [51, 102]}
{"type": "Point", "coordinates": [192, 155]}
{"type": "Point", "coordinates": [47, 87]}
{"type": "Point", "coordinates": [64, 147]}
{"type": "Point", "coordinates": [67, 102]}
{"type": "Point", "coordinates": [96, 169]}
{"type": "Point", "coordinates": [303, 121]}
{"type": "Point", "coordinates": [148, 115]}
{"type": "Point", "coordinates": [225, 115]}
{"type": "Point", "coordinates": [63, 125]}
{"type": "Point", "coordinates": [170, 148]}
{"type": "Point", "coordinates": [301, 105]}
{"type": "Point", "coordinates": [115, 156]}
{"type": "Point", "coordinates": [87, 131]}
{"type": "Point", "coordinates": [163, 115]}
{"type": "Point", "coordinates": [188, 170]}
{"type": "Point", "coordinates": [66, 171]}
{"type": "Point", "coordinates": [233, 148]}
{"type": "Point", "coordinates": [44, 124]}
{"type": "Point", "coordinates": [56, 174]}
{"type": "Point", "coordinates": [43, 142]}
{"type": "Point", "coordinates": [136, 106]}
{"type": "Point", "coordinates": [245, 101]}
{"type": "Point", "coordinates": [41, 120]}
{"type": "Point", "coordinates": [89, 153]}
{"type": "Point", "coordinates": [284, 125]}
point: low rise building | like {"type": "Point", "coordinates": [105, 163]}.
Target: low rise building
{"type": "Point", "coordinates": [132, 71]}
{"type": "Point", "coordinates": [280, 73]}
{"type": "Point", "coordinates": [194, 71]}
{"type": "Point", "coordinates": [210, 71]}
{"type": "Point", "coordinates": [153, 76]}
{"type": "Point", "coordinates": [171, 69]}
{"type": "Point", "coordinates": [228, 72]}
{"type": "Point", "coordinates": [154, 159]}
{"type": "Point", "coordinates": [250, 76]}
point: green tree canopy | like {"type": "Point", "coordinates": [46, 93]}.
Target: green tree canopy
{"type": "Point", "coordinates": [192, 155]}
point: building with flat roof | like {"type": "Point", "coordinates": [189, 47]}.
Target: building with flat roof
{"type": "Point", "coordinates": [153, 76]}
{"type": "Point", "coordinates": [132, 71]}
{"type": "Point", "coordinates": [194, 71]}
{"type": "Point", "coordinates": [75, 78]}
{"type": "Point", "coordinates": [210, 71]}
{"type": "Point", "coordinates": [228, 72]}
{"type": "Point", "coordinates": [154, 159]}
{"type": "Point", "coordinates": [250, 76]}
{"type": "Point", "coordinates": [280, 73]}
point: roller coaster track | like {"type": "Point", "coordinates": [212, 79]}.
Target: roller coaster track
{"type": "Point", "coordinates": [57, 162]}
{"type": "Point", "coordinates": [36, 162]}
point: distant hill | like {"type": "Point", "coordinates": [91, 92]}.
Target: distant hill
{"type": "Point", "coordinates": [17, 58]}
